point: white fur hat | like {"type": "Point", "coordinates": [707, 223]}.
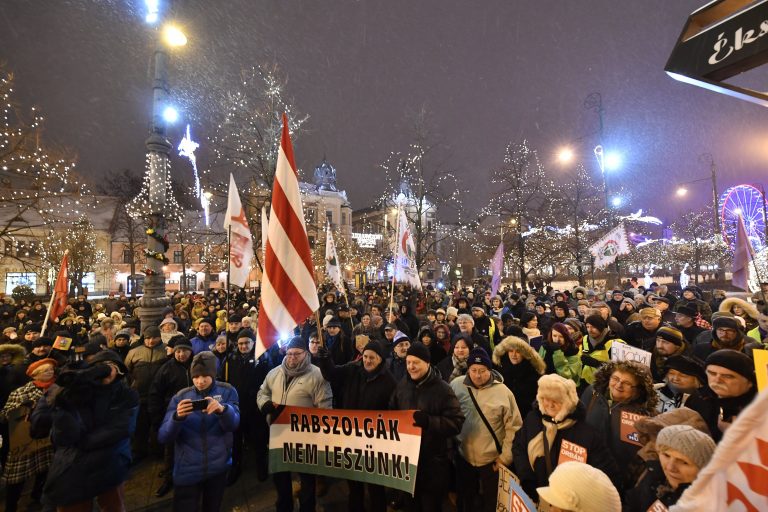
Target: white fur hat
{"type": "Point", "coordinates": [579, 487]}
{"type": "Point", "coordinates": [555, 387]}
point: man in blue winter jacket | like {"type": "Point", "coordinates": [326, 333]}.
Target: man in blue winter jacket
{"type": "Point", "coordinates": [200, 421]}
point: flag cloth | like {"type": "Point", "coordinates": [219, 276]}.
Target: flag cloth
{"type": "Point", "coordinates": [497, 264]}
{"type": "Point", "coordinates": [240, 241]}
{"type": "Point", "coordinates": [332, 267]}
{"type": "Point", "coordinates": [288, 292]}
{"type": "Point", "coordinates": [60, 289]}
{"type": "Point", "coordinates": [405, 259]}
{"type": "Point", "coordinates": [743, 254]}
{"type": "Point", "coordinates": [735, 478]}
{"type": "Point", "coordinates": [610, 246]}
{"type": "Point", "coordinates": [264, 231]}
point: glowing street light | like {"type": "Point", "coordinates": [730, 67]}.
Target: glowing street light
{"type": "Point", "coordinates": [565, 155]}
{"type": "Point", "coordinates": [612, 160]}
{"type": "Point", "coordinates": [616, 201]}
{"type": "Point", "coordinates": [173, 36]}
{"type": "Point", "coordinates": [153, 11]}
{"type": "Point", "coordinates": [681, 191]}
{"type": "Point", "coordinates": [170, 114]}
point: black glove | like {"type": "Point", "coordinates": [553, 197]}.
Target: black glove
{"type": "Point", "coordinates": [268, 408]}
{"type": "Point", "coordinates": [588, 360]}
{"type": "Point", "coordinates": [421, 419]}
{"type": "Point", "coordinates": [323, 352]}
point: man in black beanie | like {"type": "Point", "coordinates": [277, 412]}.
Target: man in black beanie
{"type": "Point", "coordinates": [726, 333]}
{"type": "Point", "coordinates": [368, 385]}
{"type": "Point", "coordinates": [439, 415]}
{"type": "Point", "coordinates": [731, 376]}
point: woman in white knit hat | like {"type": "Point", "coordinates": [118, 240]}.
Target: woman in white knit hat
{"type": "Point", "coordinates": [578, 487]}
{"type": "Point", "coordinates": [554, 432]}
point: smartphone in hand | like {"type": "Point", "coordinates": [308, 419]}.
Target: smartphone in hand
{"type": "Point", "coordinates": [199, 405]}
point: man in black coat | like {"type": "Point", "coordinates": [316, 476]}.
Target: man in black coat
{"type": "Point", "coordinates": [642, 333]}
{"type": "Point", "coordinates": [171, 378]}
{"type": "Point", "coordinates": [438, 413]}
{"type": "Point", "coordinates": [246, 374]}
{"type": "Point", "coordinates": [368, 385]}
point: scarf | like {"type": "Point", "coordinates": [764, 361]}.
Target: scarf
{"type": "Point", "coordinates": [536, 445]}
{"type": "Point", "coordinates": [301, 369]}
{"type": "Point", "coordinates": [459, 368]}
{"type": "Point", "coordinates": [43, 385]}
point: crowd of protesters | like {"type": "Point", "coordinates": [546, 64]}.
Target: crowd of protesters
{"type": "Point", "coordinates": [523, 379]}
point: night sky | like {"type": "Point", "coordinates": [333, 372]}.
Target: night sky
{"type": "Point", "coordinates": [490, 72]}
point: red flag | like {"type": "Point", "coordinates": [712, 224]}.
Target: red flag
{"type": "Point", "coordinates": [742, 256]}
{"type": "Point", "coordinates": [288, 292]}
{"type": "Point", "coordinates": [60, 290]}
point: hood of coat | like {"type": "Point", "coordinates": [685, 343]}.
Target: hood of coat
{"type": "Point", "coordinates": [748, 308]}
{"type": "Point", "coordinates": [519, 344]}
{"type": "Point", "coordinates": [17, 352]}
{"type": "Point", "coordinates": [647, 399]}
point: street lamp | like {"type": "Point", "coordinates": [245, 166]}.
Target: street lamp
{"type": "Point", "coordinates": [682, 190]}
{"type": "Point", "coordinates": [158, 147]}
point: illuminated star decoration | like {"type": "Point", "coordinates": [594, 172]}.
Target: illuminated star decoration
{"type": "Point", "coordinates": [187, 148]}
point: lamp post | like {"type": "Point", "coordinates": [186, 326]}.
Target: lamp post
{"type": "Point", "coordinates": [158, 147]}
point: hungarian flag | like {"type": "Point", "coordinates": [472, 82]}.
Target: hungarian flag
{"type": "Point", "coordinates": [288, 291]}
{"type": "Point", "coordinates": [60, 290]}
{"type": "Point", "coordinates": [743, 254]}
{"type": "Point", "coordinates": [240, 241]}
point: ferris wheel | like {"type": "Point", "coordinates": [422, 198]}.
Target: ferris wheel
{"type": "Point", "coordinates": [747, 201]}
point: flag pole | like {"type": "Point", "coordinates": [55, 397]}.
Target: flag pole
{"type": "Point", "coordinates": [50, 303]}
{"type": "Point", "coordinates": [229, 263]}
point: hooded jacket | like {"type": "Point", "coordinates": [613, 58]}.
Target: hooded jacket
{"type": "Point", "coordinates": [521, 379]}
{"type": "Point", "coordinates": [500, 409]}
{"type": "Point", "coordinates": [202, 442]}
{"type": "Point", "coordinates": [143, 363]}
{"type": "Point", "coordinates": [309, 389]}
{"type": "Point", "coordinates": [605, 415]}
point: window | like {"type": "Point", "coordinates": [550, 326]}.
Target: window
{"type": "Point", "coordinates": [127, 255]}
{"type": "Point", "coordinates": [310, 216]}
{"type": "Point", "coordinates": [201, 257]}
{"type": "Point", "coordinates": [177, 256]}
{"type": "Point", "coordinates": [214, 278]}
{"type": "Point", "coordinates": [343, 218]}
{"type": "Point", "coordinates": [329, 216]}
{"type": "Point", "coordinates": [311, 241]}
{"type": "Point", "coordinates": [14, 279]}
{"type": "Point", "coordinates": [27, 249]}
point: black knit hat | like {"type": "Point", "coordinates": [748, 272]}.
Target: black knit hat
{"type": "Point", "coordinates": [42, 341]}
{"type": "Point", "coordinates": [419, 350]}
{"type": "Point", "coordinates": [296, 342]}
{"type": "Point", "coordinates": [596, 321]}
{"type": "Point", "coordinates": [725, 322]}
{"type": "Point", "coordinates": [478, 355]}
{"type": "Point", "coordinates": [204, 363]}
{"type": "Point", "coordinates": [735, 361]}
{"type": "Point", "coordinates": [234, 319]}
{"type": "Point", "coordinates": [246, 333]}
{"type": "Point", "coordinates": [688, 366]}
{"type": "Point", "coordinates": [376, 347]}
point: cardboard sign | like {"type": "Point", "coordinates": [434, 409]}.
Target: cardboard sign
{"type": "Point", "coordinates": [628, 432]}
{"type": "Point", "coordinates": [62, 343]}
{"type": "Point", "coordinates": [571, 452]}
{"type": "Point", "coordinates": [625, 352]}
{"type": "Point", "coordinates": [760, 358]}
{"type": "Point", "coordinates": [657, 506]}
{"type": "Point", "coordinates": [510, 496]}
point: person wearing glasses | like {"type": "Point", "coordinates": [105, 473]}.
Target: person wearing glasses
{"type": "Point", "coordinates": [621, 388]}
{"type": "Point", "coordinates": [299, 383]}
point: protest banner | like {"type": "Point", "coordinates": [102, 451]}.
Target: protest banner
{"type": "Point", "coordinates": [510, 497]}
{"type": "Point", "coordinates": [379, 447]}
{"type": "Point", "coordinates": [625, 352]}
{"type": "Point", "coordinates": [760, 356]}
{"type": "Point", "coordinates": [627, 429]}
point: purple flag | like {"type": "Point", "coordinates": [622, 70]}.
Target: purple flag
{"type": "Point", "coordinates": [497, 264]}
{"type": "Point", "coordinates": [742, 255]}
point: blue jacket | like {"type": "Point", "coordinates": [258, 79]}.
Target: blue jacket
{"type": "Point", "coordinates": [201, 344]}
{"type": "Point", "coordinates": [203, 443]}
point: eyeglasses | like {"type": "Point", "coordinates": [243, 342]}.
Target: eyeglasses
{"type": "Point", "coordinates": [314, 342]}
{"type": "Point", "coordinates": [294, 354]}
{"type": "Point", "coordinates": [617, 382]}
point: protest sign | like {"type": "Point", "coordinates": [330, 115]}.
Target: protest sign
{"type": "Point", "coordinates": [380, 447]}
{"type": "Point", "coordinates": [571, 452]}
{"type": "Point", "coordinates": [510, 497]}
{"type": "Point", "coordinates": [625, 352]}
{"type": "Point", "coordinates": [760, 357]}
{"type": "Point", "coordinates": [627, 430]}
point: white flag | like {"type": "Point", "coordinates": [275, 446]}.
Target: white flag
{"type": "Point", "coordinates": [610, 246]}
{"type": "Point", "coordinates": [405, 256]}
{"type": "Point", "coordinates": [332, 266]}
{"type": "Point", "coordinates": [735, 478]}
{"type": "Point", "coordinates": [240, 241]}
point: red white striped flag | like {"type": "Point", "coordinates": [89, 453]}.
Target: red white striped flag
{"type": "Point", "coordinates": [288, 292]}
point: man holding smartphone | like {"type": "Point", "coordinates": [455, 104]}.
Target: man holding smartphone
{"type": "Point", "coordinates": [200, 421]}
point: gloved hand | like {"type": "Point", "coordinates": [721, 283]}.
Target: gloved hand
{"type": "Point", "coordinates": [268, 408]}
{"type": "Point", "coordinates": [588, 360]}
{"type": "Point", "coordinates": [421, 419]}
{"type": "Point", "coordinates": [322, 351]}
